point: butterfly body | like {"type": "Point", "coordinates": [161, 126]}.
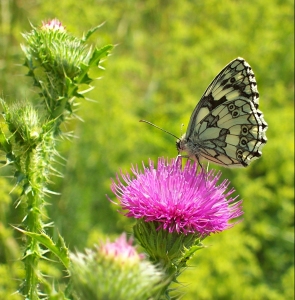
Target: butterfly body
{"type": "Point", "coordinates": [226, 127]}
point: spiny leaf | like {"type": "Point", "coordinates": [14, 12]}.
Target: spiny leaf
{"type": "Point", "coordinates": [4, 143]}
{"type": "Point", "coordinates": [98, 54]}
{"type": "Point", "coordinates": [188, 254]}
{"type": "Point", "coordinates": [90, 32]}
{"type": "Point", "coordinates": [59, 249]}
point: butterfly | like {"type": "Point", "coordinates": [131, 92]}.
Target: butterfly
{"type": "Point", "coordinates": [226, 127]}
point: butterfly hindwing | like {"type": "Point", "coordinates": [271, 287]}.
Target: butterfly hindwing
{"type": "Point", "coordinates": [226, 126]}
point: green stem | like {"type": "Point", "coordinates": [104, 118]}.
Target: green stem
{"type": "Point", "coordinates": [35, 168]}
{"type": "Point", "coordinates": [30, 289]}
{"type": "Point", "coordinates": [33, 223]}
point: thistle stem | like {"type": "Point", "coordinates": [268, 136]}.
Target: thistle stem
{"type": "Point", "coordinates": [36, 180]}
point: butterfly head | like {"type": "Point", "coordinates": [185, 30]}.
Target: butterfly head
{"type": "Point", "coordinates": [185, 145]}
{"type": "Point", "coordinates": [180, 144]}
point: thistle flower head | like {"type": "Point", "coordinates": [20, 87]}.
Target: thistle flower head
{"type": "Point", "coordinates": [121, 250]}
{"type": "Point", "coordinates": [179, 200]}
{"type": "Point", "coordinates": [54, 24]}
{"type": "Point", "coordinates": [59, 63]}
{"type": "Point", "coordinates": [115, 271]}
{"type": "Point", "coordinates": [53, 49]}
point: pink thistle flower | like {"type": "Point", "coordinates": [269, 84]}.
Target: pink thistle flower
{"type": "Point", "coordinates": [178, 200]}
{"type": "Point", "coordinates": [121, 249]}
{"type": "Point", "coordinates": [115, 270]}
{"type": "Point", "coordinates": [54, 25]}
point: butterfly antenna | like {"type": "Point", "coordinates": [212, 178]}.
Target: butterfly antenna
{"type": "Point", "coordinates": [144, 121]}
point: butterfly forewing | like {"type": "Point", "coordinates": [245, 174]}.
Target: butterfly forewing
{"type": "Point", "coordinates": [226, 126]}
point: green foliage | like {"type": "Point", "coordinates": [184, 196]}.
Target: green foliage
{"type": "Point", "coordinates": [167, 54]}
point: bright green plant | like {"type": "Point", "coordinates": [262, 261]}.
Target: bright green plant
{"type": "Point", "coordinates": [59, 64]}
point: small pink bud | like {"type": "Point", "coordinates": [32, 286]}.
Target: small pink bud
{"type": "Point", "coordinates": [54, 24]}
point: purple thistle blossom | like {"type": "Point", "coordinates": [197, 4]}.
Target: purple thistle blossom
{"type": "Point", "coordinates": [121, 250]}
{"type": "Point", "coordinates": [179, 200]}
{"type": "Point", "coordinates": [53, 25]}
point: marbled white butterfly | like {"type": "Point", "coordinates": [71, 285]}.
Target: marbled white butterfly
{"type": "Point", "coordinates": [226, 126]}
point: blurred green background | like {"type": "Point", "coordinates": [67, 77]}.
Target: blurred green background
{"type": "Point", "coordinates": [167, 53]}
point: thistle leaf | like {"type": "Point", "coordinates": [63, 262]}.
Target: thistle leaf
{"type": "Point", "coordinates": [91, 31]}
{"type": "Point", "coordinates": [59, 249]}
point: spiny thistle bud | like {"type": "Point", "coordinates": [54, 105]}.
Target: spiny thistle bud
{"type": "Point", "coordinates": [114, 271]}
{"type": "Point", "coordinates": [58, 63]}
{"type": "Point", "coordinates": [23, 121]}
{"type": "Point", "coordinates": [55, 50]}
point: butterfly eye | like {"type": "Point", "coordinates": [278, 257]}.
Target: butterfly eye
{"type": "Point", "coordinates": [235, 113]}
{"type": "Point", "coordinates": [231, 107]}
{"type": "Point", "coordinates": [243, 141]}
{"type": "Point", "coordinates": [245, 130]}
{"type": "Point", "coordinates": [239, 154]}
